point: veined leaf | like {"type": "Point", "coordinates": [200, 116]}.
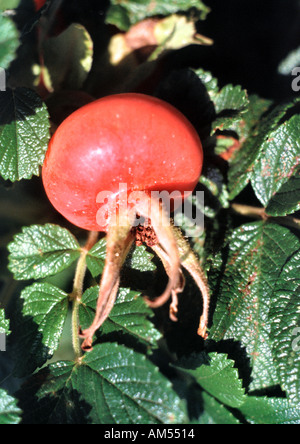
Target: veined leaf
{"type": "Point", "coordinates": [9, 40]}
{"type": "Point", "coordinates": [141, 259]}
{"type": "Point", "coordinates": [44, 312]}
{"type": "Point", "coordinates": [41, 251]}
{"type": "Point", "coordinates": [215, 413]}
{"type": "Point", "coordinates": [230, 103]}
{"type": "Point", "coordinates": [124, 14]}
{"type": "Point", "coordinates": [286, 200]}
{"type": "Point", "coordinates": [9, 411]}
{"type": "Point", "coordinates": [130, 315]}
{"type": "Point", "coordinates": [242, 165]}
{"type": "Point", "coordinates": [230, 98]}
{"type": "Point", "coordinates": [4, 323]}
{"type": "Point", "coordinates": [256, 254]}
{"type": "Point", "coordinates": [278, 162]}
{"type": "Point", "coordinates": [285, 322]}
{"type": "Point", "coordinates": [256, 109]}
{"type": "Point", "coordinates": [216, 374]}
{"type": "Point", "coordinates": [96, 258]}
{"type": "Point", "coordinates": [269, 411]}
{"type": "Point", "coordinates": [111, 385]}
{"type": "Point", "coordinates": [24, 133]}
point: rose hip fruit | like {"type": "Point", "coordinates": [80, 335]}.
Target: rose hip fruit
{"type": "Point", "coordinates": [101, 156]}
{"type": "Point", "coordinates": [129, 139]}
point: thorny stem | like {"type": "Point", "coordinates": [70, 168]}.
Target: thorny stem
{"type": "Point", "coordinates": [77, 291]}
{"type": "Point", "coordinates": [260, 213]}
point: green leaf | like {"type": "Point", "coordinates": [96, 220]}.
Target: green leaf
{"type": "Point", "coordinates": [210, 82]}
{"type": "Point", "coordinates": [9, 41]}
{"type": "Point", "coordinates": [141, 259]}
{"type": "Point", "coordinates": [244, 284]}
{"type": "Point", "coordinates": [285, 321]}
{"type": "Point", "coordinates": [95, 259]}
{"type": "Point", "coordinates": [4, 323]}
{"type": "Point", "coordinates": [9, 411]}
{"type": "Point", "coordinates": [231, 98]}
{"type": "Point", "coordinates": [229, 103]}
{"type": "Point", "coordinates": [67, 59]}
{"type": "Point", "coordinates": [215, 413]}
{"type": "Point", "coordinates": [112, 385]}
{"type": "Point", "coordinates": [216, 194]}
{"type": "Point", "coordinates": [286, 200]}
{"type": "Point", "coordinates": [44, 311]}
{"type": "Point", "coordinates": [118, 16]}
{"type": "Point", "coordinates": [256, 109]}
{"type": "Point", "coordinates": [279, 160]}
{"type": "Point", "coordinates": [269, 411]}
{"type": "Point", "coordinates": [216, 374]}
{"type": "Point", "coordinates": [41, 251]}
{"type": "Point", "coordinates": [24, 134]}
{"type": "Point", "coordinates": [9, 4]}
{"type": "Point", "coordinates": [242, 165]}
{"type": "Point", "coordinates": [130, 315]}
{"type": "Point", "coordinates": [123, 13]}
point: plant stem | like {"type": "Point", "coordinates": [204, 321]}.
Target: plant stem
{"type": "Point", "coordinates": [260, 213]}
{"type": "Point", "coordinates": [77, 291]}
{"type": "Point", "coordinates": [75, 337]}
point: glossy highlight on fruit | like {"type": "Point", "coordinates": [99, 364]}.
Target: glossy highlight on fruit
{"type": "Point", "coordinates": [129, 139]}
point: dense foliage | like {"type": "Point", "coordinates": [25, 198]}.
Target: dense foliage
{"type": "Point", "coordinates": [144, 368]}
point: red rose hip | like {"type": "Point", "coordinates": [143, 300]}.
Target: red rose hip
{"type": "Point", "coordinates": [110, 150]}
{"type": "Point", "coordinates": [129, 139]}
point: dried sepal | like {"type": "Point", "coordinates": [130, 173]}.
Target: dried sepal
{"type": "Point", "coordinates": [166, 260]}
{"type": "Point", "coordinates": [191, 263]}
{"type": "Point", "coordinates": [153, 209]}
{"type": "Point", "coordinates": [170, 246]}
{"type": "Point", "coordinates": [119, 242]}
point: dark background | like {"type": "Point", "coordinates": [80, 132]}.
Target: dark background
{"type": "Point", "coordinates": [251, 39]}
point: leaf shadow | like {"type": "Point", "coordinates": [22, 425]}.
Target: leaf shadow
{"type": "Point", "coordinates": [28, 350]}
{"type": "Point", "coordinates": [16, 105]}
{"type": "Point", "coordinates": [62, 406]}
{"type": "Point", "coordinates": [218, 283]}
{"type": "Point", "coordinates": [181, 337]}
{"type": "Point", "coordinates": [183, 89]}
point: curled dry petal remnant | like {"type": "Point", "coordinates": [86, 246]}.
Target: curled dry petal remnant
{"type": "Point", "coordinates": [150, 146]}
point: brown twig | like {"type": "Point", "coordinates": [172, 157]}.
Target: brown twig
{"type": "Point", "coordinates": [260, 213]}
